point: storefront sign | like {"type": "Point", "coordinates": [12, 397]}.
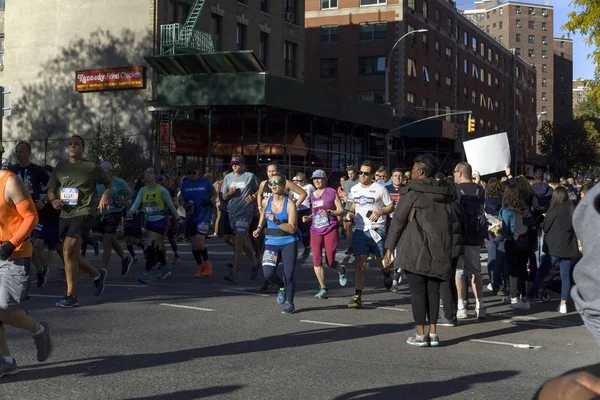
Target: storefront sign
{"type": "Point", "coordinates": [110, 79]}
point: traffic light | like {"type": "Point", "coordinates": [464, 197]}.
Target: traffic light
{"type": "Point", "coordinates": [470, 125]}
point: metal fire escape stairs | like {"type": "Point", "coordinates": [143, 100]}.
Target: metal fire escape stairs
{"type": "Point", "coordinates": [184, 38]}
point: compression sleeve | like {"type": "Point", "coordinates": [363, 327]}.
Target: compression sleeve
{"type": "Point", "coordinates": [26, 209]}
{"type": "Point", "coordinates": [168, 201]}
{"type": "Point", "coordinates": [137, 202]}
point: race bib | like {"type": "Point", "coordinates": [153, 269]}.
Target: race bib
{"type": "Point", "coordinates": [269, 258]}
{"type": "Point", "coordinates": [320, 221]}
{"type": "Point", "coordinates": [202, 228]}
{"type": "Point", "coordinates": [39, 227]}
{"type": "Point", "coordinates": [317, 203]}
{"type": "Point", "coordinates": [241, 225]}
{"type": "Point", "coordinates": [69, 196]}
{"type": "Point", "coordinates": [150, 208]}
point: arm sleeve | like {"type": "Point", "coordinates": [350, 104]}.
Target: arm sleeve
{"type": "Point", "coordinates": [169, 201]}
{"type": "Point", "coordinates": [138, 201]}
{"type": "Point", "coordinates": [26, 209]}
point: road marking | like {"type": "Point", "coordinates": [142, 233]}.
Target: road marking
{"type": "Point", "coordinates": [392, 308]}
{"type": "Point", "coordinates": [125, 285]}
{"type": "Point", "coordinates": [187, 307]}
{"type": "Point", "coordinates": [517, 345]}
{"type": "Point", "coordinates": [244, 292]}
{"type": "Point", "coordinates": [323, 323]}
{"type": "Point", "coordinates": [46, 295]}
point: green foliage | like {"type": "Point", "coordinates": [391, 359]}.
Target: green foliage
{"type": "Point", "coordinates": [588, 109]}
{"type": "Point", "coordinates": [573, 146]}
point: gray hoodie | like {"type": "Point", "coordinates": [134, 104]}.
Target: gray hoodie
{"type": "Point", "coordinates": [586, 292]}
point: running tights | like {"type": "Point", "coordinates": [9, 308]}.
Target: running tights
{"type": "Point", "coordinates": [288, 254]}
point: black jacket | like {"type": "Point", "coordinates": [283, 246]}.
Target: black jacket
{"type": "Point", "coordinates": [422, 228]}
{"type": "Point", "coordinates": [560, 240]}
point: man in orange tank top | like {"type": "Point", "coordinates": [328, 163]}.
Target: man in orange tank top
{"type": "Point", "coordinates": [18, 217]}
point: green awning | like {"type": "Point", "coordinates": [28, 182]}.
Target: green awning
{"type": "Point", "coordinates": [206, 63]}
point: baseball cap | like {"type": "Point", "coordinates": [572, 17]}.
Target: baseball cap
{"type": "Point", "coordinates": [319, 173]}
{"type": "Point", "coordinates": [105, 165]}
{"type": "Point", "coordinates": [237, 159]}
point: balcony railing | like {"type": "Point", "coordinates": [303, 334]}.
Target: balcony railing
{"type": "Point", "coordinates": [175, 38]}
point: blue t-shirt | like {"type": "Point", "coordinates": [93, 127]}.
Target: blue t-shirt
{"type": "Point", "coordinates": [120, 190]}
{"type": "Point", "coordinates": [199, 192]}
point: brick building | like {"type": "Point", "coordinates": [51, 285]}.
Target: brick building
{"type": "Point", "coordinates": [453, 66]}
{"type": "Point", "coordinates": [580, 92]}
{"type": "Point", "coordinates": [563, 79]}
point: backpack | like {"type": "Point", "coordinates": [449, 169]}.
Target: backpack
{"type": "Point", "coordinates": [525, 234]}
{"type": "Point", "coordinates": [474, 222]}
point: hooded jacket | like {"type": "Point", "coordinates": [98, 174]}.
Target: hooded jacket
{"type": "Point", "coordinates": [422, 228]}
{"type": "Point", "coordinates": [542, 196]}
{"type": "Point", "coordinates": [586, 273]}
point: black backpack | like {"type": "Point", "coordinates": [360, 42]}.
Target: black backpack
{"type": "Point", "coordinates": [473, 215]}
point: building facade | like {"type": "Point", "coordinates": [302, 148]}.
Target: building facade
{"type": "Point", "coordinates": [453, 67]}
{"type": "Point", "coordinates": [563, 79]}
{"type": "Point", "coordinates": [580, 92]}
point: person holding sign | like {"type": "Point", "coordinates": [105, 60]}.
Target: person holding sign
{"type": "Point", "coordinates": [326, 207]}
{"type": "Point", "coordinates": [72, 189]}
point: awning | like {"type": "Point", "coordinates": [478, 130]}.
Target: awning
{"type": "Point", "coordinates": [206, 63]}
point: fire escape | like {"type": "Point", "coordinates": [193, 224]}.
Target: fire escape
{"type": "Point", "coordinates": [184, 38]}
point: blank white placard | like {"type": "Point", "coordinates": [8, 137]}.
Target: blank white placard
{"type": "Point", "coordinates": [488, 154]}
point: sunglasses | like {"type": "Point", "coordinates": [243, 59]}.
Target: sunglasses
{"type": "Point", "coordinates": [363, 173]}
{"type": "Point", "coordinates": [275, 182]}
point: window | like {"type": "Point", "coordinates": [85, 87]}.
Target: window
{"type": "Point", "coordinates": [480, 17]}
{"type": "Point", "coordinates": [489, 54]}
{"type": "Point", "coordinates": [482, 102]}
{"type": "Point", "coordinates": [489, 79]}
{"type": "Point", "coordinates": [263, 49]}
{"type": "Point", "coordinates": [562, 78]}
{"type": "Point", "coordinates": [425, 74]}
{"type": "Point", "coordinates": [518, 9]}
{"type": "Point", "coordinates": [329, 34]}
{"type": "Point", "coordinates": [424, 102]}
{"type": "Point", "coordinates": [475, 71]}
{"type": "Point", "coordinates": [544, 82]}
{"type": "Point", "coordinates": [531, 52]}
{"type": "Point", "coordinates": [518, 23]}
{"type": "Point", "coordinates": [438, 52]}
{"type": "Point", "coordinates": [531, 11]}
{"type": "Point", "coordinates": [179, 10]}
{"type": "Point", "coordinates": [496, 82]}
{"type": "Point", "coordinates": [448, 54]}
{"type": "Point", "coordinates": [531, 38]}
{"type": "Point", "coordinates": [531, 24]}
{"type": "Point", "coordinates": [496, 109]}
{"type": "Point", "coordinates": [448, 111]}
{"type": "Point", "coordinates": [487, 29]}
{"type": "Point", "coordinates": [264, 6]}
{"type": "Point", "coordinates": [466, 38]}
{"type": "Point", "coordinates": [518, 37]}
{"type": "Point", "coordinates": [474, 43]}
{"type": "Point", "coordinates": [544, 26]}
{"type": "Point", "coordinates": [2, 5]}
{"type": "Point", "coordinates": [411, 38]}
{"type": "Point", "coordinates": [437, 79]}
{"type": "Point", "coordinates": [562, 45]}
{"type": "Point", "coordinates": [411, 68]}
{"type": "Point", "coordinates": [425, 43]}
{"type": "Point", "coordinates": [449, 24]}
{"type": "Point", "coordinates": [466, 66]}
{"type": "Point", "coordinates": [437, 14]}
{"type": "Point", "coordinates": [374, 31]}
{"type": "Point", "coordinates": [500, 39]}
{"type": "Point", "coordinates": [457, 62]}
{"type": "Point", "coordinates": [425, 9]}
{"type": "Point", "coordinates": [466, 92]}
{"type": "Point", "coordinates": [373, 97]}
{"type": "Point", "coordinates": [448, 83]}
{"type": "Point", "coordinates": [291, 11]}
{"type": "Point", "coordinates": [240, 37]}
{"type": "Point", "coordinates": [544, 12]}
{"type": "Point", "coordinates": [1, 50]}
{"type": "Point", "coordinates": [410, 99]}
{"type": "Point", "coordinates": [216, 24]}
{"type": "Point", "coordinates": [544, 53]}
{"type": "Point", "coordinates": [328, 4]}
{"type": "Point", "coordinates": [482, 49]}
{"type": "Point", "coordinates": [411, 4]}
{"type": "Point", "coordinates": [290, 52]}
{"type": "Point", "coordinates": [329, 67]}
{"type": "Point", "coordinates": [544, 40]}
{"type": "Point", "coordinates": [544, 109]}
{"type": "Point", "coordinates": [372, 2]}
{"type": "Point", "coordinates": [371, 65]}
{"type": "Point", "coordinates": [482, 75]}
{"type": "Point", "coordinates": [544, 68]}
{"type": "Point", "coordinates": [474, 97]}
{"type": "Point", "coordinates": [500, 11]}
{"type": "Point", "coordinates": [518, 51]}
{"type": "Point", "coordinates": [544, 96]}
{"type": "Point", "coordinates": [494, 25]}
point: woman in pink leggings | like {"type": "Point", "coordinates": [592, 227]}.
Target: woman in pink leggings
{"type": "Point", "coordinates": [326, 207]}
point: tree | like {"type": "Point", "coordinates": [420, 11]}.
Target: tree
{"type": "Point", "coordinates": [588, 109]}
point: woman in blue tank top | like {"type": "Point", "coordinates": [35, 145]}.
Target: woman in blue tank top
{"type": "Point", "coordinates": [281, 240]}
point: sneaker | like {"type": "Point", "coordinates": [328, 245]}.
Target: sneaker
{"type": "Point", "coordinates": [562, 309]}
{"type": "Point", "coordinates": [163, 273]}
{"type": "Point", "coordinates": [207, 269]}
{"type": "Point", "coordinates": [176, 260]}
{"type": "Point", "coordinates": [342, 278]}
{"type": "Point", "coordinates": [462, 314]}
{"type": "Point", "coordinates": [265, 287]}
{"type": "Point", "coordinates": [356, 302]}
{"type": "Point", "coordinates": [322, 293]}
{"type": "Point", "coordinates": [231, 277]}
{"type": "Point", "coordinates": [42, 277]}
{"type": "Point", "coordinates": [288, 308]}
{"type": "Point", "coordinates": [43, 342]}
{"type": "Point", "coordinates": [125, 265]}
{"type": "Point", "coordinates": [96, 247]}
{"type": "Point", "coordinates": [489, 287]}
{"type": "Point", "coordinates": [434, 340]}
{"type": "Point", "coordinates": [8, 368]}
{"type": "Point", "coordinates": [418, 341]}
{"type": "Point", "coordinates": [443, 321]}
{"type": "Point", "coordinates": [350, 251]}
{"type": "Point", "coordinates": [254, 273]}
{"type": "Point", "coordinates": [518, 304]}
{"type": "Point", "coordinates": [281, 295]}
{"type": "Point", "coordinates": [388, 282]}
{"type": "Point", "coordinates": [480, 312]}
{"type": "Point", "coordinates": [395, 287]}
{"type": "Point", "coordinates": [501, 293]}
{"type": "Point", "coordinates": [306, 252]}
{"type": "Point", "coordinates": [144, 277]}
{"type": "Point", "coordinates": [199, 271]}
{"type": "Point", "coordinates": [68, 302]}
{"type": "Point", "coordinates": [99, 283]}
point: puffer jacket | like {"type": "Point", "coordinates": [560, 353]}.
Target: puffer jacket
{"type": "Point", "coordinates": [422, 228]}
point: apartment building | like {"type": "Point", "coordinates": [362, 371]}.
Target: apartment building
{"type": "Point", "coordinates": [580, 92]}
{"type": "Point", "coordinates": [527, 29]}
{"type": "Point", "coordinates": [453, 66]}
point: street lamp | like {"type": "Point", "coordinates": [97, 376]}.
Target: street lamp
{"type": "Point", "coordinates": [387, 64]}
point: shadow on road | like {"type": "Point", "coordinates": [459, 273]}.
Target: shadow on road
{"type": "Point", "coordinates": [192, 394]}
{"type": "Point", "coordinates": [428, 390]}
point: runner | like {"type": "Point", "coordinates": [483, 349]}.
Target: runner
{"type": "Point", "coordinates": [326, 207]}
{"type": "Point", "coordinates": [154, 200]}
{"type": "Point", "coordinates": [132, 228]}
{"type": "Point", "coordinates": [17, 211]}
{"type": "Point", "coordinates": [110, 218]}
{"type": "Point", "coordinates": [348, 185]}
{"type": "Point", "coordinates": [35, 178]}
{"type": "Point", "coordinates": [281, 241]}
{"type": "Point", "coordinates": [197, 195]}
{"type": "Point", "coordinates": [71, 189]}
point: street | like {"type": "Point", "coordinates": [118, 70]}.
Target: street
{"type": "Point", "coordinates": [190, 339]}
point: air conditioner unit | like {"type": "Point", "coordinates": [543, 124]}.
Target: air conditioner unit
{"type": "Point", "coordinates": [289, 16]}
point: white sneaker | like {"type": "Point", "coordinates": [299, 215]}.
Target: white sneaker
{"type": "Point", "coordinates": [480, 313]}
{"type": "Point", "coordinates": [489, 287]}
{"type": "Point", "coordinates": [518, 304]}
{"type": "Point", "coordinates": [462, 314]}
{"type": "Point", "coordinates": [562, 309]}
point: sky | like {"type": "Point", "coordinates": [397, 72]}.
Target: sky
{"type": "Point", "coordinates": [582, 66]}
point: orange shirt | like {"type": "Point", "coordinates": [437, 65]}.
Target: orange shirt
{"type": "Point", "coordinates": [10, 221]}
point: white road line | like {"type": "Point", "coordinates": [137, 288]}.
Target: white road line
{"type": "Point", "coordinates": [392, 308]}
{"type": "Point", "coordinates": [46, 295]}
{"type": "Point", "coordinates": [517, 345]}
{"type": "Point", "coordinates": [187, 307]}
{"type": "Point", "coordinates": [323, 323]}
{"type": "Point", "coordinates": [125, 285]}
{"type": "Point", "coordinates": [244, 292]}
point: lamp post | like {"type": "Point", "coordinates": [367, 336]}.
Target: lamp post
{"type": "Point", "coordinates": [387, 64]}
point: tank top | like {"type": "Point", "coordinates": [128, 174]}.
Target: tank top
{"type": "Point", "coordinates": [10, 221]}
{"type": "Point", "coordinates": [282, 238]}
{"type": "Point", "coordinates": [152, 201]}
{"type": "Point", "coordinates": [323, 224]}
{"type": "Point", "coordinates": [267, 193]}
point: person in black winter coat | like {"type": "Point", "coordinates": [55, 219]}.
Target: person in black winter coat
{"type": "Point", "coordinates": [421, 232]}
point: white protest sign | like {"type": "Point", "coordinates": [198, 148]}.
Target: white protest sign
{"type": "Point", "coordinates": [488, 154]}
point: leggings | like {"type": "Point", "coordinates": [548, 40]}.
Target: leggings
{"type": "Point", "coordinates": [516, 260]}
{"type": "Point", "coordinates": [288, 254]}
{"type": "Point", "coordinates": [424, 297]}
{"type": "Point", "coordinates": [172, 241]}
{"type": "Point", "coordinates": [329, 242]}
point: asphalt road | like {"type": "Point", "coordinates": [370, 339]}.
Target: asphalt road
{"type": "Point", "coordinates": [195, 339]}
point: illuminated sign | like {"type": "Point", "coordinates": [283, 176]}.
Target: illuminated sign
{"type": "Point", "coordinates": [110, 79]}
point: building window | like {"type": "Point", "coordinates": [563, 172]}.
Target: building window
{"type": "Point", "coordinates": [531, 11]}
{"type": "Point", "coordinates": [371, 65]}
{"type": "Point", "coordinates": [544, 54]}
{"type": "Point", "coordinates": [448, 111]}
{"type": "Point", "coordinates": [410, 99]}
{"type": "Point", "coordinates": [474, 96]}
{"type": "Point", "coordinates": [448, 83]}
{"type": "Point", "coordinates": [466, 66]}
{"type": "Point", "coordinates": [544, 68]}
{"type": "Point", "coordinates": [531, 25]}
{"type": "Point", "coordinates": [466, 38]}
{"type": "Point", "coordinates": [544, 109]}
{"type": "Point", "coordinates": [562, 78]}
{"type": "Point", "coordinates": [466, 92]}
{"type": "Point", "coordinates": [424, 102]}
{"type": "Point", "coordinates": [531, 52]}
{"type": "Point", "coordinates": [178, 12]}
{"type": "Point", "coordinates": [544, 82]}
{"type": "Point", "coordinates": [437, 15]}
{"type": "Point", "coordinates": [215, 28]}
{"type": "Point", "coordinates": [494, 24]}
{"type": "Point", "coordinates": [425, 43]}
{"type": "Point", "coordinates": [480, 17]}
{"type": "Point", "coordinates": [411, 68]}
{"type": "Point", "coordinates": [562, 45]}
{"type": "Point", "coordinates": [438, 52]}
{"type": "Point", "coordinates": [475, 71]}
{"type": "Point", "coordinates": [329, 34]}
{"type": "Point", "coordinates": [518, 9]}
{"type": "Point", "coordinates": [373, 97]}
{"type": "Point", "coordinates": [489, 79]}
{"type": "Point", "coordinates": [411, 38]}
{"type": "Point", "coordinates": [425, 9]}
{"type": "Point", "coordinates": [264, 6]}
{"type": "Point", "coordinates": [474, 43]}
{"type": "Point", "coordinates": [2, 5]}
{"type": "Point", "coordinates": [518, 23]}
{"type": "Point", "coordinates": [544, 40]}
{"type": "Point", "coordinates": [496, 108]}
{"type": "Point", "coordinates": [448, 54]}
{"type": "Point", "coordinates": [372, 2]}
{"type": "Point", "coordinates": [531, 39]}
{"type": "Point", "coordinates": [290, 56]}
{"type": "Point", "coordinates": [263, 50]}
{"type": "Point", "coordinates": [240, 37]}
{"type": "Point", "coordinates": [449, 24]}
{"type": "Point", "coordinates": [411, 4]}
{"type": "Point", "coordinates": [501, 11]}
{"type": "Point", "coordinates": [500, 25]}
{"type": "Point", "coordinates": [437, 79]}
{"type": "Point", "coordinates": [518, 51]}
{"type": "Point", "coordinates": [500, 39]}
{"type": "Point", "coordinates": [518, 37]}
{"type": "Point", "coordinates": [291, 11]}
{"type": "Point", "coordinates": [482, 49]}
{"type": "Point", "coordinates": [328, 4]}
{"type": "Point", "coordinates": [544, 26]}
{"type": "Point", "coordinates": [482, 75]}
{"type": "Point", "coordinates": [375, 31]}
{"type": "Point", "coordinates": [329, 67]}
{"type": "Point", "coordinates": [544, 96]}
{"type": "Point", "coordinates": [489, 54]}
{"type": "Point", "coordinates": [544, 12]}
{"type": "Point", "coordinates": [425, 74]}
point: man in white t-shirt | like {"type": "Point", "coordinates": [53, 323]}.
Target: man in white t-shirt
{"type": "Point", "coordinates": [371, 203]}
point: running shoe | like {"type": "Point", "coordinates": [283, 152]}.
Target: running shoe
{"type": "Point", "coordinates": [395, 288]}
{"type": "Point", "coordinates": [288, 308]}
{"type": "Point", "coordinates": [418, 341]}
{"type": "Point", "coordinates": [68, 302]}
{"type": "Point", "coordinates": [462, 314]}
{"type": "Point", "coordinates": [443, 321]}
{"type": "Point", "coordinates": [42, 277]}
{"type": "Point", "coordinates": [322, 293]}
{"type": "Point", "coordinates": [207, 269]}
{"type": "Point", "coordinates": [562, 309]}
{"type": "Point", "coordinates": [519, 304]}
{"type": "Point", "coordinates": [96, 247]}
{"type": "Point", "coordinates": [8, 368]}
{"type": "Point", "coordinates": [199, 271]}
{"type": "Point", "coordinates": [163, 273]}
{"type": "Point", "coordinates": [434, 340]}
{"type": "Point", "coordinates": [126, 264]}
{"type": "Point", "coordinates": [254, 273]}
{"type": "Point", "coordinates": [176, 260]}
{"type": "Point", "coordinates": [281, 296]}
{"type": "Point", "coordinates": [100, 282]}
{"type": "Point", "coordinates": [265, 287]}
{"type": "Point", "coordinates": [356, 302]}
{"type": "Point", "coordinates": [388, 282]}
{"type": "Point", "coordinates": [43, 342]}
{"type": "Point", "coordinates": [342, 278]}
{"type": "Point", "coordinates": [144, 277]}
{"type": "Point", "coordinates": [231, 277]}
